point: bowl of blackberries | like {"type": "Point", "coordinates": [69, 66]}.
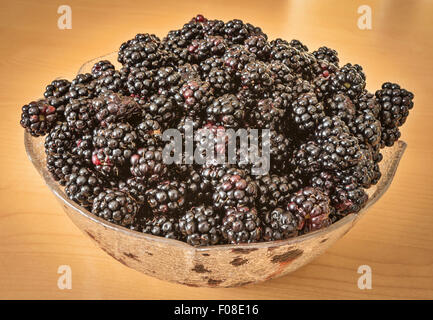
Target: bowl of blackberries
{"type": "Point", "coordinates": [118, 147]}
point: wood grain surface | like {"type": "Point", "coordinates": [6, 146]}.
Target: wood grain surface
{"type": "Point", "coordinates": [395, 238]}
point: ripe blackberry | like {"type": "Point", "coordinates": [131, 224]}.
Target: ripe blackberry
{"type": "Point", "coordinates": [111, 107]}
{"type": "Point", "coordinates": [207, 65]}
{"type": "Point", "coordinates": [115, 206]}
{"type": "Point", "coordinates": [279, 224]}
{"type": "Point", "coordinates": [148, 164]}
{"type": "Point", "coordinates": [60, 140]}
{"type": "Point", "coordinates": [241, 225]}
{"type": "Point", "coordinates": [298, 45]}
{"type": "Point", "coordinates": [38, 117]}
{"type": "Point", "coordinates": [167, 197]}
{"type": "Point", "coordinates": [306, 111]}
{"type": "Point", "coordinates": [395, 104]}
{"type": "Point", "coordinates": [83, 148]}
{"type": "Point", "coordinates": [140, 82]}
{"type": "Point", "coordinates": [274, 190]}
{"type": "Point", "coordinates": [161, 108]}
{"type": "Point", "coordinates": [83, 187]}
{"type": "Point", "coordinates": [328, 54]}
{"type": "Point", "coordinates": [80, 115]}
{"type": "Point", "coordinates": [340, 105]}
{"type": "Point", "coordinates": [166, 77]}
{"type": "Point", "coordinates": [149, 132]}
{"type": "Point", "coordinates": [227, 110]}
{"type": "Point", "coordinates": [389, 136]}
{"type": "Point", "coordinates": [348, 197]}
{"type": "Point", "coordinates": [82, 86]}
{"type": "Point", "coordinates": [162, 226]}
{"type": "Point", "coordinates": [366, 128]}
{"type": "Point", "coordinates": [200, 187]}
{"type": "Point", "coordinates": [56, 94]}
{"type": "Point", "coordinates": [322, 69]}
{"type": "Point", "coordinates": [258, 45]}
{"type": "Point", "coordinates": [281, 95]}
{"type": "Point", "coordinates": [237, 32]}
{"type": "Point", "coordinates": [100, 67]}
{"type": "Point", "coordinates": [134, 187]}
{"type": "Point", "coordinates": [114, 146]}
{"type": "Point", "coordinates": [266, 115]}
{"type": "Point", "coordinates": [111, 80]}
{"type": "Point", "coordinates": [235, 188]}
{"type": "Point", "coordinates": [366, 172]}
{"type": "Point", "coordinates": [221, 80]}
{"type": "Point", "coordinates": [282, 75]}
{"type": "Point", "coordinates": [194, 96]}
{"type": "Point", "coordinates": [296, 60]}
{"type": "Point", "coordinates": [141, 51]}
{"type": "Point", "coordinates": [236, 57]}
{"type": "Point", "coordinates": [306, 157]}
{"type": "Point", "coordinates": [367, 101]}
{"type": "Point", "coordinates": [257, 76]}
{"type": "Point", "coordinates": [210, 46]}
{"type": "Point", "coordinates": [311, 207]}
{"type": "Point", "coordinates": [325, 181]}
{"type": "Point", "coordinates": [62, 166]}
{"type": "Point", "coordinates": [200, 226]}
{"type": "Point", "coordinates": [350, 79]}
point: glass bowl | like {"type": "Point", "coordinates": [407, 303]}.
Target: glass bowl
{"type": "Point", "coordinates": [213, 266]}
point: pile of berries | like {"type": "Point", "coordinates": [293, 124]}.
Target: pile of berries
{"type": "Point", "coordinates": [104, 134]}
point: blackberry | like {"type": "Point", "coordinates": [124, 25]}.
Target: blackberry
{"type": "Point", "coordinates": [311, 207]}
{"type": "Point", "coordinates": [60, 140]}
{"type": "Point", "coordinates": [83, 187]}
{"type": "Point", "coordinates": [140, 82]}
{"type": "Point", "coordinates": [149, 132]}
{"type": "Point", "coordinates": [395, 104]}
{"type": "Point", "coordinates": [148, 165]}
{"type": "Point", "coordinates": [266, 115]}
{"type": "Point", "coordinates": [166, 77]}
{"type": "Point", "coordinates": [298, 45]}
{"type": "Point", "coordinates": [258, 45]}
{"type": "Point", "coordinates": [100, 67]}
{"type": "Point", "coordinates": [194, 96]}
{"type": "Point", "coordinates": [167, 197]}
{"type": "Point", "coordinates": [162, 226]}
{"type": "Point", "coordinates": [389, 136]}
{"type": "Point", "coordinates": [135, 188]}
{"type": "Point", "coordinates": [306, 157]}
{"type": "Point", "coordinates": [200, 186]}
{"type": "Point", "coordinates": [257, 77]}
{"type": "Point", "coordinates": [323, 69]}
{"type": "Point", "coordinates": [207, 65]}
{"type": "Point", "coordinates": [80, 115]}
{"type": "Point", "coordinates": [307, 111]}
{"type": "Point", "coordinates": [275, 190]}
{"type": "Point", "coordinates": [82, 86]}
{"type": "Point", "coordinates": [342, 106]}
{"type": "Point", "coordinates": [161, 108]}
{"type": "Point", "coordinates": [348, 197]}
{"type": "Point", "coordinates": [328, 54]}
{"type": "Point", "coordinates": [141, 51]}
{"type": "Point", "coordinates": [111, 107]}
{"type": "Point", "coordinates": [83, 148]}
{"type": "Point", "coordinates": [221, 80]}
{"type": "Point", "coordinates": [202, 49]}
{"type": "Point", "coordinates": [237, 32]}
{"type": "Point", "coordinates": [111, 80]}
{"type": "Point", "coordinates": [350, 79]}
{"type": "Point", "coordinates": [367, 101]}
{"type": "Point", "coordinates": [114, 145]}
{"type": "Point", "coordinates": [200, 226]}
{"type": "Point", "coordinates": [236, 57]}
{"type": "Point", "coordinates": [115, 206]}
{"type": "Point", "coordinates": [56, 94]}
{"type": "Point", "coordinates": [282, 75]}
{"type": "Point", "coordinates": [241, 225]}
{"type": "Point", "coordinates": [296, 60]}
{"type": "Point", "coordinates": [366, 128]}
{"type": "Point", "coordinates": [189, 71]}
{"type": "Point", "coordinates": [62, 166]}
{"type": "Point", "coordinates": [279, 224]}
{"type": "Point", "coordinates": [227, 110]}
{"type": "Point", "coordinates": [366, 172]}
{"type": "Point", "coordinates": [38, 117]}
{"type": "Point", "coordinates": [235, 188]}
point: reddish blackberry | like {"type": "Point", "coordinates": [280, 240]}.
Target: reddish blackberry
{"type": "Point", "coordinates": [257, 77]}
{"type": "Point", "coordinates": [258, 45]}
{"type": "Point", "coordinates": [307, 111]}
{"type": "Point", "coordinates": [350, 79]}
{"type": "Point", "coordinates": [266, 115]}
{"type": "Point", "coordinates": [348, 197]}
{"type": "Point", "coordinates": [162, 226]}
{"type": "Point", "coordinates": [140, 82]}
{"type": "Point", "coordinates": [200, 226]}
{"type": "Point", "coordinates": [279, 224]}
{"type": "Point", "coordinates": [80, 115]}
{"type": "Point", "coordinates": [83, 186]}
{"type": "Point", "coordinates": [323, 69]}
{"type": "Point", "coordinates": [241, 225]}
{"type": "Point", "coordinates": [111, 80]}
{"type": "Point", "coordinates": [100, 67]}
{"type": "Point", "coordinates": [227, 110]}
{"type": "Point", "coordinates": [340, 105]}
{"type": "Point", "coordinates": [111, 107]}
{"type": "Point", "coordinates": [328, 54]}
{"type": "Point", "coordinates": [194, 96]}
{"type": "Point", "coordinates": [274, 190]}
{"type": "Point", "coordinates": [167, 197]}
{"type": "Point", "coordinates": [311, 207]}
{"type": "Point", "coordinates": [395, 104]}
{"type": "Point", "coordinates": [38, 117]}
{"type": "Point", "coordinates": [60, 140]}
{"type": "Point", "coordinates": [235, 188]}
{"type": "Point", "coordinates": [62, 166]}
{"type": "Point", "coordinates": [114, 146]}
{"type": "Point", "coordinates": [141, 51]}
{"type": "Point", "coordinates": [148, 164]}
{"type": "Point", "coordinates": [115, 206]}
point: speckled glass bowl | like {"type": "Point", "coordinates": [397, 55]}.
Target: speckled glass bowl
{"type": "Point", "coordinates": [213, 266]}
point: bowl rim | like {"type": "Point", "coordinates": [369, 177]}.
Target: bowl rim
{"type": "Point", "coordinates": [56, 188]}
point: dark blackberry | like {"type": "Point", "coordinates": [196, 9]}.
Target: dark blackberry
{"type": "Point", "coordinates": [348, 197]}
{"type": "Point", "coordinates": [200, 186]}
{"type": "Point", "coordinates": [189, 71]}
{"type": "Point", "coordinates": [201, 49]}
{"type": "Point", "coordinates": [200, 226]}
{"type": "Point", "coordinates": [80, 115]}
{"type": "Point", "coordinates": [281, 95]}
{"type": "Point", "coordinates": [395, 104]}
{"type": "Point", "coordinates": [227, 110]}
{"type": "Point", "coordinates": [366, 172]}
{"type": "Point", "coordinates": [324, 180]}
{"type": "Point", "coordinates": [235, 188]}
{"type": "Point", "coordinates": [111, 107]}
{"type": "Point", "coordinates": [135, 188]}
{"type": "Point", "coordinates": [141, 51]}
{"type": "Point", "coordinates": [140, 82]}
{"type": "Point", "coordinates": [350, 79]}
{"type": "Point", "coordinates": [298, 45]}
{"type": "Point", "coordinates": [323, 69]}
{"type": "Point", "coordinates": [296, 60]}
{"type": "Point", "coordinates": [279, 224]}
{"type": "Point", "coordinates": [282, 75]}
{"type": "Point", "coordinates": [257, 77]}
{"type": "Point", "coordinates": [207, 65]}
{"type": "Point", "coordinates": [306, 157]}
{"type": "Point", "coordinates": [340, 105]}
{"type": "Point", "coordinates": [311, 207]}
{"type": "Point", "coordinates": [266, 115]}
{"type": "Point", "coordinates": [194, 96]}
{"type": "Point", "coordinates": [83, 187]}
{"type": "Point", "coordinates": [241, 225]}
{"type": "Point", "coordinates": [114, 146]}
{"type": "Point", "coordinates": [82, 86]}
{"type": "Point", "coordinates": [83, 148]}
{"type": "Point", "coordinates": [221, 80]}
{"type": "Point", "coordinates": [100, 67]}
{"type": "Point", "coordinates": [111, 80]}
{"type": "Point", "coordinates": [236, 57]}
{"type": "Point", "coordinates": [328, 54]}
{"type": "Point", "coordinates": [237, 32]}
{"type": "Point", "coordinates": [149, 132]}
{"type": "Point", "coordinates": [389, 136]}
{"type": "Point", "coordinates": [38, 117]}
{"type": "Point", "coordinates": [162, 226]}
{"type": "Point", "coordinates": [60, 140]}
{"type": "Point", "coordinates": [115, 206]}
{"type": "Point", "coordinates": [275, 190]}
{"type": "Point", "coordinates": [56, 94]}
{"type": "Point", "coordinates": [367, 101]}
{"type": "Point", "coordinates": [167, 197]}
{"type": "Point", "coordinates": [214, 28]}
{"type": "Point", "coordinates": [161, 108]}
{"type": "Point", "coordinates": [148, 165]}
{"type": "Point", "coordinates": [166, 77]}
{"type": "Point", "coordinates": [62, 166]}
{"type": "Point", "coordinates": [366, 128]}
{"type": "Point", "coordinates": [306, 111]}
{"type": "Point", "coordinates": [259, 46]}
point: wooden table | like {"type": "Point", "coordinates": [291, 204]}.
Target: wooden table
{"type": "Point", "coordinates": [395, 238]}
